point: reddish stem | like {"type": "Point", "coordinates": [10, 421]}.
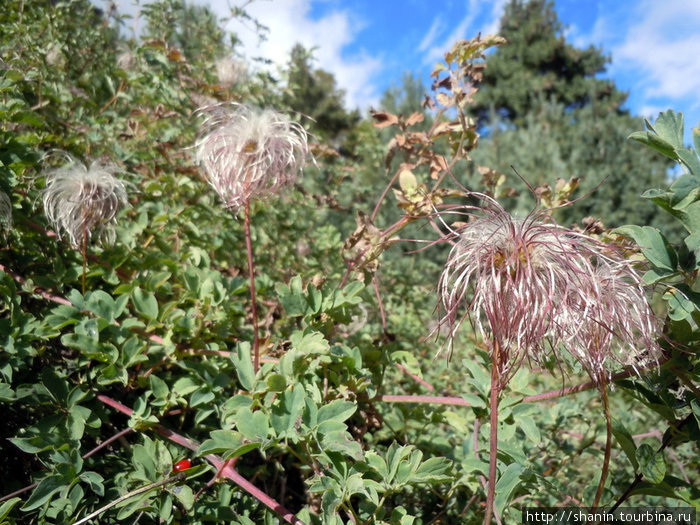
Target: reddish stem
{"type": "Point", "coordinates": [493, 438]}
{"type": "Point", "coordinates": [608, 444]}
{"type": "Point", "coordinates": [251, 275]}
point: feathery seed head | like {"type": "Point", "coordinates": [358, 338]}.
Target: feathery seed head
{"type": "Point", "coordinates": [249, 153]}
{"type": "Point", "coordinates": [80, 201]}
{"type": "Point", "coordinates": [619, 326]}
{"type": "Point", "coordinates": [528, 285]}
{"type": "Point", "coordinates": [230, 71]}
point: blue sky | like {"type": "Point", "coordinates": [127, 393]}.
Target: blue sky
{"type": "Point", "coordinates": [369, 44]}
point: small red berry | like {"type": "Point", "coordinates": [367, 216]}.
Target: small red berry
{"type": "Point", "coordinates": [181, 465]}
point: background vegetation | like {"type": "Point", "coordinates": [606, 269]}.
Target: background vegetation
{"type": "Point", "coordinates": [119, 362]}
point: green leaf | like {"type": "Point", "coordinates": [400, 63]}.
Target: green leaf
{"type": "Point", "coordinates": [221, 441]}
{"type": "Point", "coordinates": [56, 386]}
{"type": "Point", "coordinates": [651, 463]}
{"type": "Point", "coordinates": [474, 400]}
{"type": "Point", "coordinates": [276, 382]}
{"type": "Point", "coordinates": [292, 297]}
{"type": "Point", "coordinates": [669, 127]}
{"type": "Point", "coordinates": [481, 379]}
{"type": "Point", "coordinates": [682, 303]}
{"type": "Point", "coordinates": [624, 439]}
{"type": "Point", "coordinates": [94, 481]}
{"type": "Point", "coordinates": [6, 507]}
{"type": "Point", "coordinates": [654, 246]}
{"type": "Point", "coordinates": [506, 485]}
{"type": "Point", "coordinates": [244, 365]}
{"type": "Point", "coordinates": [158, 387]}
{"type": "Point", "coordinates": [529, 427]}
{"type": "Point", "coordinates": [145, 303]}
{"type": "Point", "coordinates": [655, 142]}
{"type": "Point", "coordinates": [287, 412]}
{"type": "Point", "coordinates": [46, 488]}
{"type": "Point", "coordinates": [185, 496]}
{"type": "Point", "coordinates": [310, 343]}
{"type": "Point", "coordinates": [104, 305]}
{"type": "Point", "coordinates": [432, 470]}
{"type": "Point", "coordinates": [337, 410]}
{"type": "Point", "coordinates": [690, 160]}
{"type": "Point", "coordinates": [253, 425]}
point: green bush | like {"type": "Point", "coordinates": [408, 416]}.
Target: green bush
{"type": "Point", "coordinates": [123, 358]}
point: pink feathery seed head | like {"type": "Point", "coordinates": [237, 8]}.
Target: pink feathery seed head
{"type": "Point", "coordinates": [615, 325]}
{"type": "Point", "coordinates": [81, 201]}
{"type": "Point", "coordinates": [249, 153]}
{"type": "Point", "coordinates": [520, 282]}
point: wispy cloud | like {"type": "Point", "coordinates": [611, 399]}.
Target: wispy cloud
{"type": "Point", "coordinates": [663, 44]}
{"type": "Point", "coordinates": [481, 16]}
{"type": "Point", "coordinates": [429, 37]}
{"type": "Point", "coordinates": [290, 22]}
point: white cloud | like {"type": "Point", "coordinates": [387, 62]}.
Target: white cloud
{"type": "Point", "coordinates": [290, 22]}
{"type": "Point", "coordinates": [658, 56]}
{"type": "Point", "coordinates": [429, 37]}
{"type": "Point", "coordinates": [663, 46]}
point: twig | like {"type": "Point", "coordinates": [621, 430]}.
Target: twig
{"type": "Point", "coordinates": [638, 478]}
{"type": "Point", "coordinates": [414, 376]}
{"type": "Point", "coordinates": [173, 479]}
{"type": "Point", "coordinates": [608, 444]}
{"type": "Point", "coordinates": [493, 431]}
{"type": "Point", "coordinates": [251, 275]}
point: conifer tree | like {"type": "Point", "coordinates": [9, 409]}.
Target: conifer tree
{"type": "Point", "coordinates": [543, 109]}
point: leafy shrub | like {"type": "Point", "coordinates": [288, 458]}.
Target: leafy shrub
{"type": "Point", "coordinates": [120, 361]}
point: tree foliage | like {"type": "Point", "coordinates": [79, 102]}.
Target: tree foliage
{"type": "Point", "coordinates": [539, 64]}
{"type": "Point", "coordinates": [313, 93]}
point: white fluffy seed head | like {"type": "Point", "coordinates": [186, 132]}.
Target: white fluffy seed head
{"type": "Point", "coordinates": [249, 153]}
{"type": "Point", "coordinates": [83, 202]}
{"type": "Point", "coordinates": [230, 71]}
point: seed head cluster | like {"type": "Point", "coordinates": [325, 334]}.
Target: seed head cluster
{"type": "Point", "coordinates": [249, 153]}
{"type": "Point", "coordinates": [81, 202]}
{"type": "Point", "coordinates": [531, 287]}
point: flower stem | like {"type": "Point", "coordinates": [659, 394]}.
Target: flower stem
{"type": "Point", "coordinates": [251, 275]}
{"type": "Point", "coordinates": [608, 444]}
{"type": "Point", "coordinates": [493, 452]}
{"type": "Point", "coordinates": [84, 254]}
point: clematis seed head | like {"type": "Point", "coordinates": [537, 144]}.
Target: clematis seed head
{"type": "Point", "coordinates": [249, 153]}
{"type": "Point", "coordinates": [80, 201]}
{"type": "Point", "coordinates": [530, 286]}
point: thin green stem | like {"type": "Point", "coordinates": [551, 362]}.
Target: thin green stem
{"type": "Point", "coordinates": [84, 254]}
{"type": "Point", "coordinates": [173, 479]}
{"type": "Point", "coordinates": [251, 275]}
